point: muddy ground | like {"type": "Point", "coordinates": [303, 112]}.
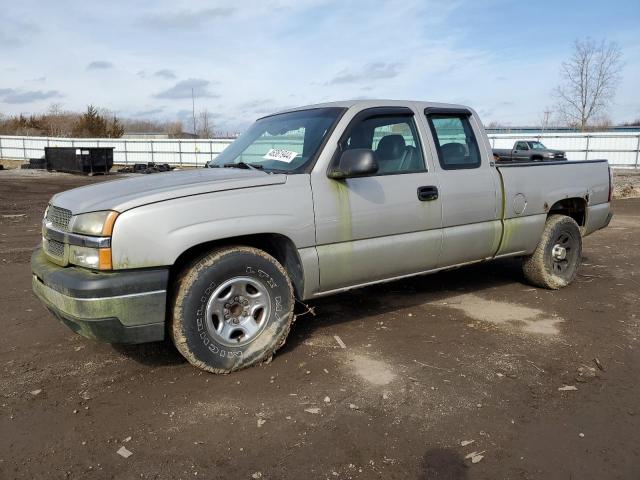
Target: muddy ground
{"type": "Point", "coordinates": [428, 365]}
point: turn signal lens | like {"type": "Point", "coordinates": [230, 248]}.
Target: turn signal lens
{"type": "Point", "coordinates": [105, 259]}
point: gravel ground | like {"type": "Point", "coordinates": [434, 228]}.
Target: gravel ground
{"type": "Point", "coordinates": [469, 374]}
{"type": "Point", "coordinates": [626, 184]}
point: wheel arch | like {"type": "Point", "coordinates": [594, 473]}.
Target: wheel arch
{"type": "Point", "coordinates": [277, 245]}
{"type": "Point", "coordinates": [574, 207]}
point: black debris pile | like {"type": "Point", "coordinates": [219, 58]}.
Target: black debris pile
{"type": "Point", "coordinates": [150, 167]}
{"type": "Point", "coordinates": [35, 164]}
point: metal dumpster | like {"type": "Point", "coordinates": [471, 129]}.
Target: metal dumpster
{"type": "Point", "coordinates": [85, 160]}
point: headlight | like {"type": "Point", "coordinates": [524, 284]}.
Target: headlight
{"type": "Point", "coordinates": [96, 224]}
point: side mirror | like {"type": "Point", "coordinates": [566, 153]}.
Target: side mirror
{"type": "Point", "coordinates": [356, 162]}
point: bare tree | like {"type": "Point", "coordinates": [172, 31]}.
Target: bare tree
{"type": "Point", "coordinates": [589, 81]}
{"type": "Point", "coordinates": [204, 127]}
{"type": "Point", "coordinates": [174, 129]}
{"type": "Point", "coordinates": [601, 123]}
{"type": "Point", "coordinates": [57, 122]}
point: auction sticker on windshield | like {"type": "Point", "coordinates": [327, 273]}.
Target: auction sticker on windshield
{"type": "Point", "coordinates": [280, 155]}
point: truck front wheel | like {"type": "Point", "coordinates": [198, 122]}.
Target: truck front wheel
{"type": "Point", "coordinates": [554, 264]}
{"type": "Point", "coordinates": [232, 308]}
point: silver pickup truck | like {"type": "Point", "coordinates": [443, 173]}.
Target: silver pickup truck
{"type": "Point", "coordinates": [528, 151]}
{"type": "Point", "coordinates": [308, 202]}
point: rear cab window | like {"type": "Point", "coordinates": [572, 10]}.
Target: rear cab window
{"type": "Point", "coordinates": [455, 141]}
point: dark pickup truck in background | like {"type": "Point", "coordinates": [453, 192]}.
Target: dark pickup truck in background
{"type": "Point", "coordinates": [528, 151]}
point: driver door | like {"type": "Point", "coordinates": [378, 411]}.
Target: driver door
{"type": "Point", "coordinates": [522, 151]}
{"type": "Point", "coordinates": [379, 226]}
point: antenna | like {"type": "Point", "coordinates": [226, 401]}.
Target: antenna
{"type": "Point", "coordinates": [193, 111]}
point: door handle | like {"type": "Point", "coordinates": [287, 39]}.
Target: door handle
{"type": "Point", "coordinates": [426, 194]}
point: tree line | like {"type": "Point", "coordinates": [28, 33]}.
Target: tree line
{"type": "Point", "coordinates": [93, 123]}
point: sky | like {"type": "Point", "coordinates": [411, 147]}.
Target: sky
{"type": "Point", "coordinates": [246, 58]}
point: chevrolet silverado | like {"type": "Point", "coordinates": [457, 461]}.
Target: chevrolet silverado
{"type": "Point", "coordinates": [307, 202]}
{"type": "Point", "coordinates": [528, 151]}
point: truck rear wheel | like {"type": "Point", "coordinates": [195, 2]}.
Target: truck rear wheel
{"type": "Point", "coordinates": [554, 264]}
{"type": "Point", "coordinates": [232, 308]}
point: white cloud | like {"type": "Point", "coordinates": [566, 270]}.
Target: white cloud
{"type": "Point", "coordinates": [165, 73]}
{"type": "Point", "coordinates": [99, 65]}
{"type": "Point", "coordinates": [196, 87]}
{"type": "Point", "coordinates": [17, 96]}
{"type": "Point", "coordinates": [257, 56]}
{"type": "Point", "coordinates": [183, 19]}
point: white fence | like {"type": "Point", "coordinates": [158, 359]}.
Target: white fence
{"type": "Point", "coordinates": [126, 151]}
{"type": "Point", "coordinates": [621, 149]}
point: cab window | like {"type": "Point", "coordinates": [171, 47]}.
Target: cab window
{"type": "Point", "coordinates": [393, 138]}
{"type": "Point", "coordinates": [455, 141]}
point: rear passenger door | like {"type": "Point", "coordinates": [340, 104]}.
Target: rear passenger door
{"type": "Point", "coordinates": [469, 188]}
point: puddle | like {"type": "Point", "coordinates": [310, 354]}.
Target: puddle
{"type": "Point", "coordinates": [526, 319]}
{"type": "Point", "coordinates": [372, 371]}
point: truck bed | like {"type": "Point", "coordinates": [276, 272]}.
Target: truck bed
{"type": "Point", "coordinates": [532, 189]}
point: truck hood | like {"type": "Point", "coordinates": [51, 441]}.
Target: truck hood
{"type": "Point", "coordinates": [128, 193]}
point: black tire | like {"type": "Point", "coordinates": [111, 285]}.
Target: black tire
{"type": "Point", "coordinates": [223, 345]}
{"type": "Point", "coordinates": [554, 264]}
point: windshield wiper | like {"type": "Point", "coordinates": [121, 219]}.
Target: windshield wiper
{"type": "Point", "coordinates": [245, 165]}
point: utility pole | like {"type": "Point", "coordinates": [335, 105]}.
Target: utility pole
{"type": "Point", "coordinates": [193, 111]}
{"type": "Point", "coordinates": [545, 119]}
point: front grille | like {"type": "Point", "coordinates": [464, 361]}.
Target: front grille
{"type": "Point", "coordinates": [54, 248]}
{"type": "Point", "coordinates": [59, 218]}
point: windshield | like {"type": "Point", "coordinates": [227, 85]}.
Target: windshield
{"type": "Point", "coordinates": [537, 146]}
{"type": "Point", "coordinates": [286, 142]}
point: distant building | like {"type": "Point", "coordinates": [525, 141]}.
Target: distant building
{"type": "Point", "coordinates": [613, 128]}
{"type": "Point", "coordinates": [157, 136]}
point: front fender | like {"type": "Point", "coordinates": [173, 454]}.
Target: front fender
{"type": "Point", "coordinates": [157, 234]}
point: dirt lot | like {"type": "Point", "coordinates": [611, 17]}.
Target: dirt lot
{"type": "Point", "coordinates": [626, 183]}
{"type": "Point", "coordinates": [430, 364]}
